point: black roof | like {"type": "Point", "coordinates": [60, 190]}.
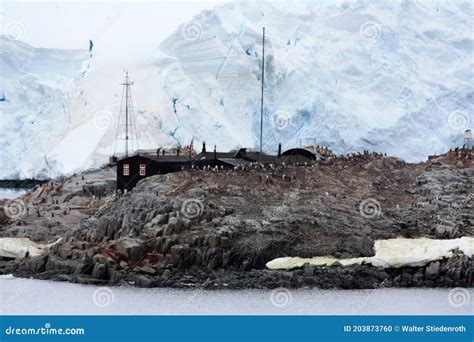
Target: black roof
{"type": "Point", "coordinates": [234, 161]}
{"type": "Point", "coordinates": [162, 158]}
{"type": "Point", "coordinates": [264, 158]}
{"type": "Point", "coordinates": [254, 156]}
{"type": "Point", "coordinates": [302, 152]}
{"type": "Point", "coordinates": [211, 155]}
{"type": "Point", "coordinates": [241, 157]}
{"type": "Point", "coordinates": [171, 158]}
{"type": "Point", "coordinates": [240, 153]}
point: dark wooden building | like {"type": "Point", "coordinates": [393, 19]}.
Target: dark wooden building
{"type": "Point", "coordinates": [254, 156]}
{"type": "Point", "coordinates": [300, 156]}
{"type": "Point", "coordinates": [132, 169]}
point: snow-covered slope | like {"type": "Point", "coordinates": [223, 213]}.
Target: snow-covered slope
{"type": "Point", "coordinates": [385, 75]}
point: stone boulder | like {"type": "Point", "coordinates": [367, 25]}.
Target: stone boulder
{"type": "Point", "coordinates": [100, 272]}
{"type": "Point", "coordinates": [80, 201]}
{"type": "Point", "coordinates": [445, 231]}
{"type": "Point", "coordinates": [133, 248]}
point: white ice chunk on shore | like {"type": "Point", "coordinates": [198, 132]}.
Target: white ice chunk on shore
{"type": "Point", "coordinates": [389, 253]}
{"type": "Point", "coordinates": [22, 247]}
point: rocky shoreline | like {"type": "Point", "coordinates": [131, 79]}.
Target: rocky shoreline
{"type": "Point", "coordinates": [215, 230]}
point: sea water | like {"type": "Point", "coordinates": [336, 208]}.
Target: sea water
{"type": "Point", "coordinates": [40, 297]}
{"type": "Point", "coordinates": [10, 193]}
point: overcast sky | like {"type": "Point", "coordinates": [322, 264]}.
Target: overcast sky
{"type": "Point", "coordinates": [68, 24]}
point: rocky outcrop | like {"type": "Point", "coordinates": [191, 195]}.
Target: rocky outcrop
{"type": "Point", "coordinates": [219, 229]}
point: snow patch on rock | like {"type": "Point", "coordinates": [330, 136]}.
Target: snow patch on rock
{"type": "Point", "coordinates": [22, 248]}
{"type": "Point", "coordinates": [389, 253]}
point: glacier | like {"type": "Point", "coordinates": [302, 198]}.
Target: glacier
{"type": "Point", "coordinates": [35, 87]}
{"type": "Point", "coordinates": [390, 76]}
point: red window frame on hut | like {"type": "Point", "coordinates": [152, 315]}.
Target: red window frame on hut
{"type": "Point", "coordinates": [142, 171]}
{"type": "Point", "coordinates": [126, 169]}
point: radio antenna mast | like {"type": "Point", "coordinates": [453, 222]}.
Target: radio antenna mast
{"type": "Point", "coordinates": [261, 102]}
{"type": "Point", "coordinates": [126, 112]}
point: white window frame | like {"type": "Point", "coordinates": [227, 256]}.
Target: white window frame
{"type": "Point", "coordinates": [142, 170]}
{"type": "Point", "coordinates": [126, 169]}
